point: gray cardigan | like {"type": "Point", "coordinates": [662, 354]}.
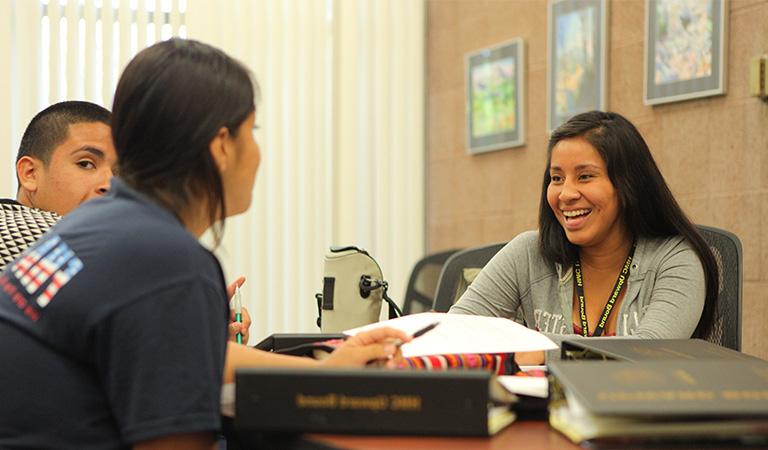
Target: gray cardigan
{"type": "Point", "coordinates": [664, 298]}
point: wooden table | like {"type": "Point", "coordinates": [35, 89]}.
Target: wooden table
{"type": "Point", "coordinates": [525, 434]}
{"type": "Point", "coordinates": [533, 434]}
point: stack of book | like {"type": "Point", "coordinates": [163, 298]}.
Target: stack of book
{"type": "Point", "coordinates": [629, 391]}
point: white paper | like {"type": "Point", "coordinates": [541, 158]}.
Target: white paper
{"type": "Point", "coordinates": [532, 386]}
{"type": "Point", "coordinates": [458, 333]}
{"type": "Point", "coordinates": [228, 400]}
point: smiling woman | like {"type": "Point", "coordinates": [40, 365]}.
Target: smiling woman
{"type": "Point", "coordinates": [614, 253]}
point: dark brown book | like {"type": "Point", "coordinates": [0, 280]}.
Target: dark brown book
{"type": "Point", "coordinates": [662, 399]}
{"type": "Point", "coordinates": [370, 401]}
{"type": "Point", "coordinates": [635, 350]}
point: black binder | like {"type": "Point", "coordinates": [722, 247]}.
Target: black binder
{"type": "Point", "coordinates": [637, 350]}
{"type": "Point", "coordinates": [665, 401]}
{"type": "Point", "coordinates": [294, 343]}
{"type": "Point", "coordinates": [368, 401]}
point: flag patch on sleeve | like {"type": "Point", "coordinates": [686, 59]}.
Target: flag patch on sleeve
{"type": "Point", "coordinates": [46, 268]}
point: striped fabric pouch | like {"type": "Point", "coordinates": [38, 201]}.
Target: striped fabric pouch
{"type": "Point", "coordinates": [498, 363]}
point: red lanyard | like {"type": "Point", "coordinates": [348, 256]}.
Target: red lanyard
{"type": "Point", "coordinates": [623, 275]}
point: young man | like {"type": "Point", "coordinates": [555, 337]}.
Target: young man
{"type": "Point", "coordinates": [66, 157]}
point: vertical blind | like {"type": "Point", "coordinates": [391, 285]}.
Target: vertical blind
{"type": "Point", "coordinates": [71, 50]}
{"type": "Point", "coordinates": [341, 120]}
{"type": "Point", "coordinates": [342, 140]}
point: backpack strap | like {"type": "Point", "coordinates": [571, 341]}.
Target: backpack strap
{"type": "Point", "coordinates": [394, 310]}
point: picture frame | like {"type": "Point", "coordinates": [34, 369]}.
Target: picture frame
{"type": "Point", "coordinates": [576, 58]}
{"type": "Point", "coordinates": [495, 97]}
{"type": "Point", "coordinates": [685, 50]}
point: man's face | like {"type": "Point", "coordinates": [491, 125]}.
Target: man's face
{"type": "Point", "coordinates": [79, 169]}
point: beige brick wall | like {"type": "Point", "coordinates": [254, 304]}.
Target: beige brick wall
{"type": "Point", "coordinates": [713, 152]}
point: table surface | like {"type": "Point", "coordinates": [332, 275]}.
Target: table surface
{"type": "Point", "coordinates": [533, 434]}
{"type": "Point", "coordinates": [523, 434]}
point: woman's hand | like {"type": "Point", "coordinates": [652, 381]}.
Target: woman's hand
{"type": "Point", "coordinates": [380, 344]}
{"type": "Point", "coordinates": [241, 327]}
{"type": "Point", "coordinates": [245, 324]}
{"type": "Point", "coordinates": [239, 282]}
{"type": "Point", "coordinates": [530, 358]}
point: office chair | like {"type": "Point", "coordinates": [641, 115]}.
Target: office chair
{"type": "Point", "coordinates": [456, 271]}
{"type": "Point", "coordinates": [726, 325]}
{"type": "Point", "coordinates": [420, 293]}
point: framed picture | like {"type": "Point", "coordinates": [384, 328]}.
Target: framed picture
{"type": "Point", "coordinates": [576, 66]}
{"type": "Point", "coordinates": [495, 97]}
{"type": "Point", "coordinates": [684, 49]}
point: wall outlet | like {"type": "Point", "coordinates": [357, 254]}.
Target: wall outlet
{"type": "Point", "coordinates": [758, 77]}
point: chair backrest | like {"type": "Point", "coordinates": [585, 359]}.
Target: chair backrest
{"type": "Point", "coordinates": [454, 277]}
{"type": "Point", "coordinates": [726, 323]}
{"type": "Point", "coordinates": [420, 293]}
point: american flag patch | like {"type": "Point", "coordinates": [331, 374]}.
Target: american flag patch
{"type": "Point", "coordinates": [52, 263]}
{"type": "Point", "coordinates": [28, 260]}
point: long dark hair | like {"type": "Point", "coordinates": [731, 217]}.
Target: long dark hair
{"type": "Point", "coordinates": [646, 203]}
{"type": "Point", "coordinates": [170, 102]}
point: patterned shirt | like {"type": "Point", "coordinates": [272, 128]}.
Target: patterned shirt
{"type": "Point", "coordinates": [20, 226]}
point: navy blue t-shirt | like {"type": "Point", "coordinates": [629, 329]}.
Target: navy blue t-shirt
{"type": "Point", "coordinates": [113, 330]}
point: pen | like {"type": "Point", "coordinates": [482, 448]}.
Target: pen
{"type": "Point", "coordinates": [419, 332]}
{"type": "Point", "coordinates": [425, 329]}
{"type": "Point", "coordinates": [238, 313]}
